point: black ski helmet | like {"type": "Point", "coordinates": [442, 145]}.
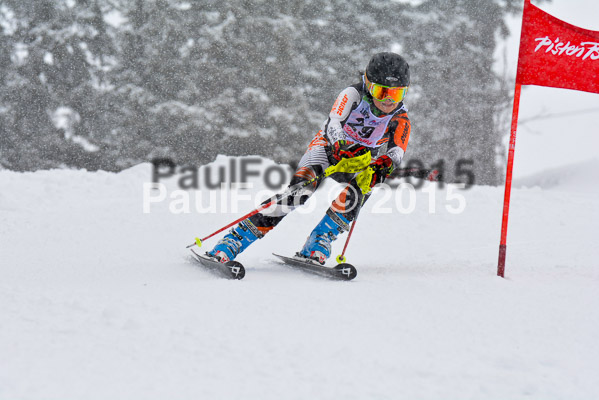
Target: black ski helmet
{"type": "Point", "coordinates": [388, 69]}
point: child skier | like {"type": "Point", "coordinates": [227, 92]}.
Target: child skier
{"type": "Point", "coordinates": [364, 117]}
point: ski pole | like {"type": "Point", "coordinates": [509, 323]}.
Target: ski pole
{"type": "Point", "coordinates": [341, 257]}
{"type": "Point", "coordinates": [363, 177]}
{"type": "Point", "coordinates": [199, 241]}
{"type": "Point", "coordinates": [330, 170]}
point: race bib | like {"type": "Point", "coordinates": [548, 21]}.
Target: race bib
{"type": "Point", "coordinates": [364, 127]}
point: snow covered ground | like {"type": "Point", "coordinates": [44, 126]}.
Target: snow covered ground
{"type": "Point", "coordinates": [100, 300]}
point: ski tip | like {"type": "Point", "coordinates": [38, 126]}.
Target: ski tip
{"type": "Point", "coordinates": [237, 269]}
{"type": "Point", "coordinates": [348, 271]}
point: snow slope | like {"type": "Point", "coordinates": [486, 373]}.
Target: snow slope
{"type": "Point", "coordinates": [582, 176]}
{"type": "Point", "coordinates": [100, 300]}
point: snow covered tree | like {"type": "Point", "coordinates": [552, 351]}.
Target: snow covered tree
{"type": "Point", "coordinates": [189, 80]}
{"type": "Point", "coordinates": [53, 80]}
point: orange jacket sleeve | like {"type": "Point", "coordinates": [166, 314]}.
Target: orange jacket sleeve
{"type": "Point", "coordinates": [399, 135]}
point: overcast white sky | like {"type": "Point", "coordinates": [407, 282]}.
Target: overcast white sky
{"type": "Point", "coordinates": [574, 136]}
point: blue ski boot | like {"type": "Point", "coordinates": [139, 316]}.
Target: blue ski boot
{"type": "Point", "coordinates": [318, 245]}
{"type": "Point", "coordinates": [236, 241]}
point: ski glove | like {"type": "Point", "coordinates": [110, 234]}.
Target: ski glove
{"type": "Point", "coordinates": [343, 149]}
{"type": "Point", "coordinates": [349, 157]}
{"type": "Point", "coordinates": [383, 167]}
{"type": "Point", "coordinates": [378, 170]}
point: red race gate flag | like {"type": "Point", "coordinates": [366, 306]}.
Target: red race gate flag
{"type": "Point", "coordinates": [552, 53]}
{"type": "Point", "coordinates": [556, 54]}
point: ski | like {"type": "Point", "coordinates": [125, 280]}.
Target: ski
{"type": "Point", "coordinates": [343, 271]}
{"type": "Point", "coordinates": [229, 270]}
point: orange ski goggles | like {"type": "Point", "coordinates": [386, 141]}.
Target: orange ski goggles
{"type": "Point", "coordinates": [382, 92]}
